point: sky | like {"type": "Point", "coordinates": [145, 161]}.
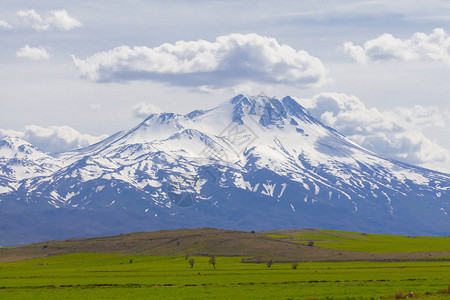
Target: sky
{"type": "Point", "coordinates": [73, 72]}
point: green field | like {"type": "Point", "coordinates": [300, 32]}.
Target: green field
{"type": "Point", "coordinates": [339, 265]}
{"type": "Point", "coordinates": [112, 276]}
{"type": "Point", "coordinates": [364, 242]}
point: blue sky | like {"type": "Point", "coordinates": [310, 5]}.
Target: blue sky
{"type": "Point", "coordinates": [376, 70]}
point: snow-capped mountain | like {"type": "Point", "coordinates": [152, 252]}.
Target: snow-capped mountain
{"type": "Point", "coordinates": [253, 162]}
{"type": "Point", "coordinates": [19, 159]}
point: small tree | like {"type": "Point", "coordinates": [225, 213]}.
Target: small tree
{"type": "Point", "coordinates": [187, 256]}
{"type": "Point", "coordinates": [212, 261]}
{"type": "Point", "coordinates": [311, 244]}
{"type": "Point", "coordinates": [269, 263]}
{"type": "Point", "coordinates": [131, 260]}
{"type": "Point", "coordinates": [294, 265]}
{"type": "Point", "coordinates": [191, 262]}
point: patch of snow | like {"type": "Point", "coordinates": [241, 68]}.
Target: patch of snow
{"type": "Point", "coordinates": [269, 188]}
{"type": "Point", "coordinates": [5, 189]}
{"type": "Point", "coordinates": [70, 195]}
{"type": "Point", "coordinates": [316, 189]}
{"type": "Point", "coordinates": [55, 195]}
{"type": "Point", "coordinates": [283, 187]}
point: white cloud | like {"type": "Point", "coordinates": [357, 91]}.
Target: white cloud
{"type": "Point", "coordinates": [229, 60]}
{"type": "Point", "coordinates": [53, 138]}
{"type": "Point", "coordinates": [434, 46]}
{"type": "Point", "coordinates": [30, 18]}
{"type": "Point", "coordinates": [34, 53]}
{"type": "Point", "coordinates": [60, 19]}
{"type": "Point", "coordinates": [5, 25]}
{"type": "Point", "coordinates": [143, 110]}
{"type": "Point", "coordinates": [397, 133]}
{"type": "Point", "coordinates": [55, 19]}
{"type": "Point", "coordinates": [356, 52]}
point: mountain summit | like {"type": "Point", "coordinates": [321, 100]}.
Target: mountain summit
{"type": "Point", "coordinates": [252, 163]}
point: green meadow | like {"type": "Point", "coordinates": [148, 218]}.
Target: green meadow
{"type": "Point", "coordinates": [364, 242]}
{"type": "Point", "coordinates": [115, 276]}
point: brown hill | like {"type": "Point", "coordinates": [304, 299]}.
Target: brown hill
{"type": "Point", "coordinates": [205, 241]}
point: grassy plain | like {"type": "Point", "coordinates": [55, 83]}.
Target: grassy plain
{"type": "Point", "coordinates": [112, 276]}
{"type": "Point", "coordinates": [364, 242]}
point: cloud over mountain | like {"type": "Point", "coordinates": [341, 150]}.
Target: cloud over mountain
{"type": "Point", "coordinates": [421, 46]}
{"type": "Point", "coordinates": [53, 138]}
{"type": "Point", "coordinates": [398, 133]}
{"type": "Point", "coordinates": [143, 110]}
{"type": "Point", "coordinates": [229, 60]}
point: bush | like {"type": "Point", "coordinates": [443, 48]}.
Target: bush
{"type": "Point", "coordinates": [447, 291]}
{"type": "Point", "coordinates": [269, 263]}
{"type": "Point", "coordinates": [212, 261]}
{"type": "Point", "coordinates": [310, 244]}
{"type": "Point", "coordinates": [400, 295]}
{"type": "Point", "coordinates": [294, 265]}
{"type": "Point", "coordinates": [191, 262]}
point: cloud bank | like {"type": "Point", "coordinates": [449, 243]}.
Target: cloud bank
{"type": "Point", "coordinates": [398, 133]}
{"type": "Point", "coordinates": [53, 138]}
{"type": "Point", "coordinates": [229, 60]}
{"type": "Point", "coordinates": [33, 53]}
{"type": "Point", "coordinates": [432, 47]}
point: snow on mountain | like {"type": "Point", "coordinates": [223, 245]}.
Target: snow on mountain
{"type": "Point", "coordinates": [253, 162]}
{"type": "Point", "coordinates": [19, 159]}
